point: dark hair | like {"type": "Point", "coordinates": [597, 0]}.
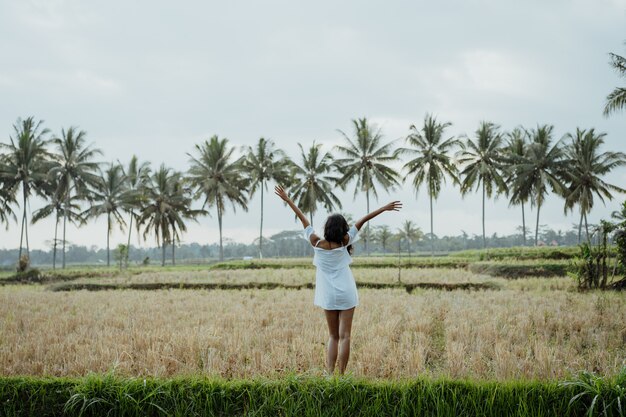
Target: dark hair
{"type": "Point", "coordinates": [335, 229]}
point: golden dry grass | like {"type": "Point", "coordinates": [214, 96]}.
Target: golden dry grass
{"type": "Point", "coordinates": [297, 276]}
{"type": "Point", "coordinates": [507, 334]}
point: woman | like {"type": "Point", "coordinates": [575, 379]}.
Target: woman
{"type": "Point", "coordinates": [335, 289]}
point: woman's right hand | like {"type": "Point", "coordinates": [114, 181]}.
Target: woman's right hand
{"type": "Point", "coordinates": [393, 206]}
{"type": "Point", "coordinates": [280, 191]}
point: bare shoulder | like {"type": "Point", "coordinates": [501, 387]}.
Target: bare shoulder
{"type": "Point", "coordinates": [314, 239]}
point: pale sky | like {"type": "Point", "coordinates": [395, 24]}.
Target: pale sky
{"type": "Point", "coordinates": [153, 78]}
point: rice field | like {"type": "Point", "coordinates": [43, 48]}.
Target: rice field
{"type": "Point", "coordinates": [537, 329]}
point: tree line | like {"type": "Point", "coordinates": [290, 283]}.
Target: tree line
{"type": "Point", "coordinates": [525, 165]}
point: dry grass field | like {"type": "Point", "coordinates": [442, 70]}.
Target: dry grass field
{"type": "Point", "coordinates": [528, 329]}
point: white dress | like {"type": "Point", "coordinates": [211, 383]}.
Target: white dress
{"type": "Point", "coordinates": [335, 288]}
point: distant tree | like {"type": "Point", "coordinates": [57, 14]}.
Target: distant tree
{"type": "Point", "coordinates": [584, 173]}
{"type": "Point", "coordinates": [540, 170]}
{"type": "Point", "coordinates": [383, 235]}
{"type": "Point", "coordinates": [616, 100]}
{"type": "Point", "coordinates": [432, 160]}
{"type": "Point", "coordinates": [265, 163]}
{"type": "Point", "coordinates": [216, 178]}
{"type": "Point", "coordinates": [314, 181]}
{"type": "Point", "coordinates": [483, 162]}
{"type": "Point", "coordinates": [110, 197]}
{"type": "Point", "coordinates": [411, 233]}
{"type": "Point", "coordinates": [137, 175]}
{"type": "Point", "coordinates": [75, 168]}
{"type": "Point", "coordinates": [513, 152]}
{"type": "Point", "coordinates": [25, 165]}
{"type": "Point", "coordinates": [57, 204]}
{"type": "Point", "coordinates": [7, 199]}
{"type": "Point", "coordinates": [163, 208]}
{"type": "Point", "coordinates": [366, 160]}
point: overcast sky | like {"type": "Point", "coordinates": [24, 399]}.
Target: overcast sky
{"type": "Point", "coordinates": [153, 78]}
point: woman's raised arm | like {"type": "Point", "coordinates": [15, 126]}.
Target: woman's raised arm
{"type": "Point", "coordinates": [279, 191]}
{"type": "Point", "coordinates": [393, 206]}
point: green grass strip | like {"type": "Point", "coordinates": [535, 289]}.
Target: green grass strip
{"type": "Point", "coordinates": [101, 395]}
{"type": "Point", "coordinates": [148, 286]}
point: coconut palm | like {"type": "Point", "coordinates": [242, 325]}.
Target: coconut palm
{"type": "Point", "coordinates": [314, 180]}
{"type": "Point", "coordinates": [616, 100]}
{"type": "Point", "coordinates": [137, 175]}
{"type": "Point", "coordinates": [540, 170]}
{"type": "Point", "coordinates": [163, 208]}
{"type": "Point", "coordinates": [584, 174]}
{"type": "Point", "coordinates": [620, 215]}
{"type": "Point", "coordinates": [265, 163]}
{"type": "Point", "coordinates": [432, 160]}
{"type": "Point", "coordinates": [25, 165]}
{"type": "Point", "coordinates": [483, 164]}
{"type": "Point", "coordinates": [366, 160]}
{"type": "Point", "coordinates": [514, 150]}
{"type": "Point", "coordinates": [75, 168]}
{"type": "Point", "coordinates": [7, 197]}
{"type": "Point", "coordinates": [216, 178]}
{"type": "Point", "coordinates": [383, 235]}
{"type": "Point", "coordinates": [411, 233]}
{"type": "Point", "coordinates": [110, 197]}
{"type": "Point", "coordinates": [55, 195]}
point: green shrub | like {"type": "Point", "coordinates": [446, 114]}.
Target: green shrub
{"type": "Point", "coordinates": [302, 396]}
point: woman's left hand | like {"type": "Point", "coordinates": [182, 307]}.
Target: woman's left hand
{"type": "Point", "coordinates": [280, 191]}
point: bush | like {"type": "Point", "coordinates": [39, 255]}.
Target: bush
{"type": "Point", "coordinates": [23, 263]}
{"type": "Point", "coordinates": [301, 396]}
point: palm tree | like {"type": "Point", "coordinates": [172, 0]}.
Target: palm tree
{"type": "Point", "coordinates": [515, 150]}
{"type": "Point", "coordinates": [542, 166]}
{"type": "Point", "coordinates": [314, 180]}
{"type": "Point", "coordinates": [584, 173]}
{"type": "Point", "coordinates": [55, 195]}
{"type": "Point", "coordinates": [620, 215]}
{"type": "Point", "coordinates": [25, 165]}
{"type": "Point", "coordinates": [265, 163]}
{"type": "Point", "coordinates": [483, 164]}
{"type": "Point", "coordinates": [217, 179]}
{"type": "Point", "coordinates": [110, 197]}
{"type": "Point", "coordinates": [7, 198]}
{"type": "Point", "coordinates": [383, 235]}
{"type": "Point", "coordinates": [432, 161]}
{"type": "Point", "coordinates": [137, 175]}
{"type": "Point", "coordinates": [75, 168]}
{"type": "Point", "coordinates": [163, 207]}
{"type": "Point", "coordinates": [616, 100]}
{"type": "Point", "coordinates": [366, 160]}
{"type": "Point", "coordinates": [410, 232]}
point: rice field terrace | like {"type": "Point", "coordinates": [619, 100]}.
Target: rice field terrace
{"type": "Point", "coordinates": [505, 347]}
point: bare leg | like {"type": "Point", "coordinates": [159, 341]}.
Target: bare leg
{"type": "Point", "coordinates": [332, 319]}
{"type": "Point", "coordinates": [345, 329]}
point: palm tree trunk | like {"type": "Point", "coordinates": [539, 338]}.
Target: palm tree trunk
{"type": "Point", "coordinates": [261, 231]}
{"type": "Point", "coordinates": [130, 230]}
{"type": "Point", "coordinates": [19, 256]}
{"type": "Point", "coordinates": [219, 221]}
{"type": "Point", "coordinates": [108, 239]}
{"type": "Point", "coordinates": [311, 217]}
{"type": "Point", "coordinates": [432, 241]}
{"type": "Point", "coordinates": [162, 247]}
{"type": "Point", "coordinates": [26, 226]}
{"type": "Point", "coordinates": [523, 226]}
{"type": "Point", "coordinates": [587, 229]}
{"type": "Point", "coordinates": [580, 226]}
{"type": "Point", "coordinates": [67, 201]}
{"type": "Point", "coordinates": [174, 251]}
{"type": "Point", "coordinates": [537, 225]}
{"type": "Point", "coordinates": [54, 247]}
{"type": "Point", "coordinates": [484, 239]}
{"type": "Point", "coordinates": [367, 243]}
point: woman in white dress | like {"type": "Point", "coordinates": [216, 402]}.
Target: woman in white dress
{"type": "Point", "coordinates": [335, 288]}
